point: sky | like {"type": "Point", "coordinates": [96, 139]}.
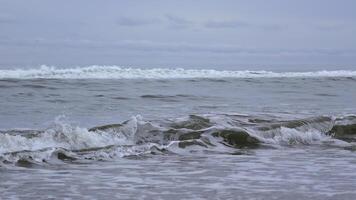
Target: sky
{"type": "Point", "coordinates": [233, 34]}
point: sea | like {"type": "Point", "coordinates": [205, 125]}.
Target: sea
{"type": "Point", "coordinates": [111, 132]}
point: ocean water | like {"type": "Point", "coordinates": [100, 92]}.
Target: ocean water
{"type": "Point", "coordinates": [108, 132]}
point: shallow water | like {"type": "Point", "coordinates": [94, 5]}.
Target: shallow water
{"type": "Point", "coordinates": [246, 136]}
{"type": "Point", "coordinates": [273, 174]}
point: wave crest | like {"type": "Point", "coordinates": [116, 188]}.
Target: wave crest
{"type": "Point", "coordinates": [219, 133]}
{"type": "Point", "coordinates": [117, 72]}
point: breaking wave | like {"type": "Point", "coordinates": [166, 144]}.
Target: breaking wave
{"type": "Point", "coordinates": [116, 72]}
{"type": "Point", "coordinates": [218, 133]}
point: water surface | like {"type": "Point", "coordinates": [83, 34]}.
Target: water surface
{"type": "Point", "coordinates": [177, 134]}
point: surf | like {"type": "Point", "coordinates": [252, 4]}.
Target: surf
{"type": "Point", "coordinates": [121, 72]}
{"type": "Point", "coordinates": [194, 134]}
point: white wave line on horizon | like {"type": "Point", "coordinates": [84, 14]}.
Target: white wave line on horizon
{"type": "Point", "coordinates": [117, 72]}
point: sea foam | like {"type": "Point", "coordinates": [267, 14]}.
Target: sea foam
{"type": "Point", "coordinates": [186, 135]}
{"type": "Point", "coordinates": [117, 72]}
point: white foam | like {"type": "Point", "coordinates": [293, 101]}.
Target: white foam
{"type": "Point", "coordinates": [62, 135]}
{"type": "Point", "coordinates": [294, 136]}
{"type": "Point", "coordinates": [117, 72]}
{"type": "Point", "coordinates": [67, 139]}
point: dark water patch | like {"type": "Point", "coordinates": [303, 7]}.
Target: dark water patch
{"type": "Point", "coordinates": [249, 80]}
{"type": "Point", "coordinates": [214, 80]}
{"type": "Point", "coordinates": [24, 163]}
{"type": "Point", "coordinates": [167, 98]}
{"type": "Point", "coordinates": [81, 83]}
{"type": "Point", "coordinates": [288, 92]}
{"type": "Point", "coordinates": [2, 86]}
{"type": "Point", "coordinates": [99, 95]}
{"type": "Point", "coordinates": [149, 96]}
{"type": "Point", "coordinates": [252, 80]}
{"type": "Point", "coordinates": [351, 148]}
{"type": "Point", "coordinates": [53, 95]}
{"type": "Point", "coordinates": [185, 144]}
{"type": "Point", "coordinates": [314, 122]}
{"type": "Point", "coordinates": [106, 127]}
{"type": "Point", "coordinates": [326, 95]}
{"type": "Point", "coordinates": [97, 90]}
{"type": "Point", "coordinates": [56, 101]}
{"type": "Point", "coordinates": [259, 120]}
{"type": "Point", "coordinates": [351, 78]}
{"type": "Point", "coordinates": [337, 79]}
{"type": "Point", "coordinates": [184, 95]}
{"type": "Point", "coordinates": [211, 80]}
{"type": "Point", "coordinates": [194, 122]}
{"type": "Point", "coordinates": [209, 106]}
{"type": "Point", "coordinates": [63, 156]}
{"type": "Point", "coordinates": [277, 81]}
{"type": "Point", "coordinates": [178, 134]}
{"type": "Point", "coordinates": [308, 121]}
{"type": "Point", "coordinates": [38, 158]}
{"type": "Point", "coordinates": [344, 132]}
{"type": "Point", "coordinates": [141, 81]}
{"type": "Point", "coordinates": [94, 149]}
{"type": "Point", "coordinates": [190, 135]}
{"type": "Point", "coordinates": [170, 100]}
{"type": "Point", "coordinates": [34, 86]}
{"type": "Point", "coordinates": [27, 133]}
{"type": "Point", "coordinates": [162, 81]}
{"type": "Point", "coordinates": [237, 138]}
{"type": "Point", "coordinates": [10, 80]}
{"type": "Point", "coordinates": [23, 94]}
{"type": "Point", "coordinates": [120, 98]}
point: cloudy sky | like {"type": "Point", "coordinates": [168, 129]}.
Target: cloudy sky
{"type": "Point", "coordinates": [182, 33]}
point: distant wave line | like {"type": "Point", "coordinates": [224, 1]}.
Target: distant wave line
{"type": "Point", "coordinates": [118, 72]}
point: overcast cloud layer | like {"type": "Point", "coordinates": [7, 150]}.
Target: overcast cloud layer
{"type": "Point", "coordinates": [256, 34]}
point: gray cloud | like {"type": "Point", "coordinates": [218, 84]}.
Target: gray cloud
{"type": "Point", "coordinates": [7, 19]}
{"type": "Point", "coordinates": [188, 31]}
{"type": "Point", "coordinates": [238, 24]}
{"type": "Point", "coordinates": [175, 47]}
{"type": "Point", "coordinates": [129, 21]}
{"type": "Point", "coordinates": [273, 27]}
{"type": "Point", "coordinates": [226, 24]}
{"type": "Point", "coordinates": [178, 22]}
{"type": "Point", "coordinates": [329, 26]}
{"type": "Point", "coordinates": [171, 20]}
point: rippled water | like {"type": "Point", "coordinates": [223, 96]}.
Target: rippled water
{"type": "Point", "coordinates": [293, 173]}
{"type": "Point", "coordinates": [245, 136]}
